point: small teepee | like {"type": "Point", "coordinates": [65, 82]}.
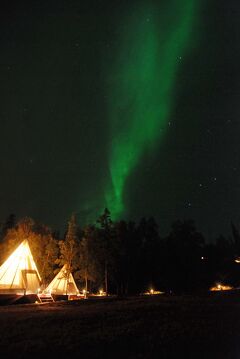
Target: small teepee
{"type": "Point", "coordinates": [19, 274]}
{"type": "Point", "coordinates": [63, 283]}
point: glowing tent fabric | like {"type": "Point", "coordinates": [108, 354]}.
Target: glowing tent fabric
{"type": "Point", "coordinates": [63, 283]}
{"type": "Point", "coordinates": [19, 274]}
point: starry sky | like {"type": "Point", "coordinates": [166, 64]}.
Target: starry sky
{"type": "Point", "coordinates": [130, 106]}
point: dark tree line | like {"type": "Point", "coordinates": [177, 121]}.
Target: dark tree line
{"type": "Point", "coordinates": [127, 257]}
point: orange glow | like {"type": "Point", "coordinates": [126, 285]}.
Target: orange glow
{"type": "Point", "coordinates": [152, 292]}
{"type": "Point", "coordinates": [219, 287]}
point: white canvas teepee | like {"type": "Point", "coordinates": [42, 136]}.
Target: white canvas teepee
{"type": "Point", "coordinates": [63, 283]}
{"type": "Point", "coordinates": [19, 274]}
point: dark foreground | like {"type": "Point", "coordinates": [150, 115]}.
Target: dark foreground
{"type": "Point", "coordinates": [143, 327]}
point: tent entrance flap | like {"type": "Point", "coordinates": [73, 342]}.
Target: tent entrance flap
{"type": "Point", "coordinates": [31, 280]}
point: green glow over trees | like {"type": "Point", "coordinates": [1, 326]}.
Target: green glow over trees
{"type": "Point", "coordinates": [151, 47]}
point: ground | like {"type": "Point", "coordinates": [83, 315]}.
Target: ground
{"type": "Point", "coordinates": [206, 326]}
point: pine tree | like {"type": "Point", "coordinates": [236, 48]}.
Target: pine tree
{"type": "Point", "coordinates": [106, 235]}
{"type": "Point", "coordinates": [69, 247]}
{"type": "Point", "coordinates": [89, 263]}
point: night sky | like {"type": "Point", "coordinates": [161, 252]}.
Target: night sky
{"type": "Point", "coordinates": [133, 105]}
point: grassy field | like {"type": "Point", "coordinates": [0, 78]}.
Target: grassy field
{"type": "Point", "coordinates": [141, 327]}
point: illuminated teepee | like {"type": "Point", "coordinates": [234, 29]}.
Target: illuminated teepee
{"type": "Point", "coordinates": [19, 274]}
{"type": "Point", "coordinates": [63, 283]}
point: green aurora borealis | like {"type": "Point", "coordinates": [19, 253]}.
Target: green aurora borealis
{"type": "Point", "coordinates": [152, 45]}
